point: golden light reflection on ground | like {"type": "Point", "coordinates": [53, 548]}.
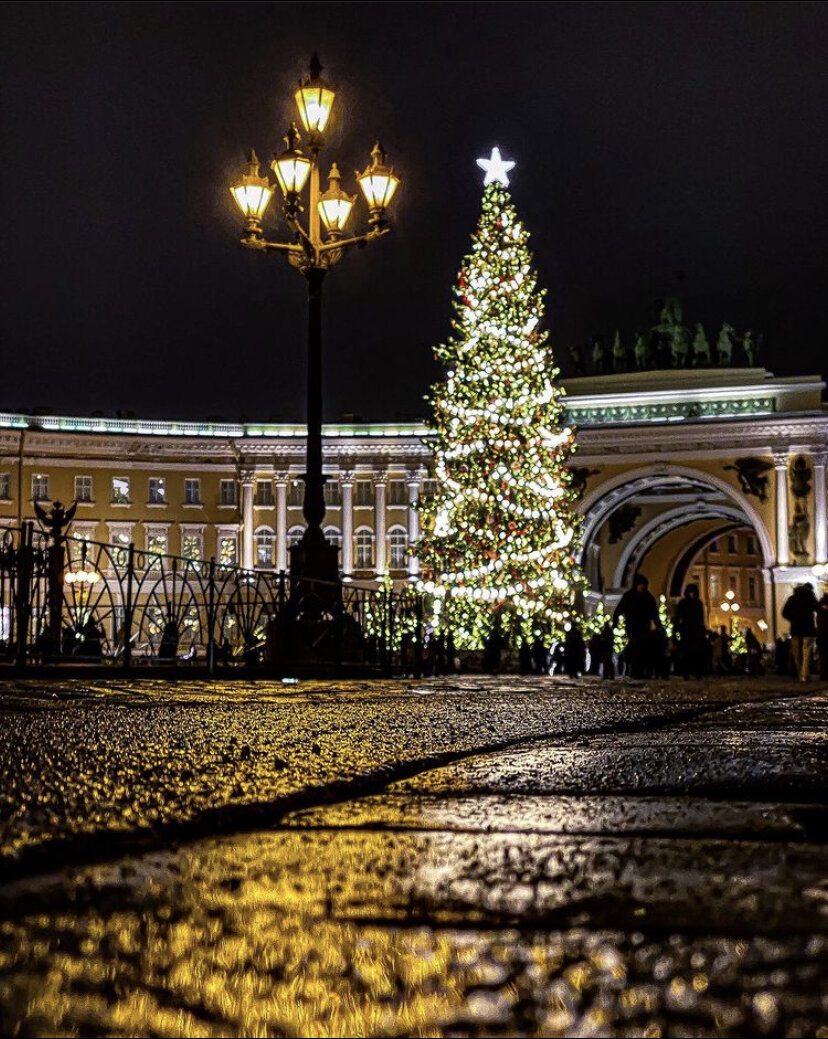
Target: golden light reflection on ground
{"type": "Point", "coordinates": [276, 934]}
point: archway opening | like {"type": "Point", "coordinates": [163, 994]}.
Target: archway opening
{"type": "Point", "coordinates": [667, 524]}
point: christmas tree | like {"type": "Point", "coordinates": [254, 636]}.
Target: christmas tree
{"type": "Point", "coordinates": [500, 537]}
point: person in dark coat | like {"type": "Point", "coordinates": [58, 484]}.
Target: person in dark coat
{"type": "Point", "coordinates": [168, 650]}
{"type": "Point", "coordinates": [540, 656]}
{"type": "Point", "coordinates": [691, 633]}
{"type": "Point", "coordinates": [608, 651]}
{"type": "Point", "coordinates": [822, 636]}
{"type": "Point", "coordinates": [641, 620]}
{"type": "Point", "coordinates": [754, 654]}
{"type": "Point", "coordinates": [800, 612]}
{"type": "Point", "coordinates": [574, 652]}
{"type": "Point", "coordinates": [492, 648]}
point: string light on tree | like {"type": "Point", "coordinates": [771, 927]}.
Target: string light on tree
{"type": "Point", "coordinates": [502, 534]}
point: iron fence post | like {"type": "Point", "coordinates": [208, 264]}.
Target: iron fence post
{"type": "Point", "coordinates": [391, 628]}
{"type": "Point", "coordinates": [418, 640]}
{"type": "Point", "coordinates": [211, 619]}
{"type": "Point", "coordinates": [129, 606]}
{"type": "Point", "coordinates": [23, 590]}
{"type": "Point", "coordinates": [282, 628]}
{"type": "Point", "coordinates": [384, 643]}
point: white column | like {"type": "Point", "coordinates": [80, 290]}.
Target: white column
{"type": "Point", "coordinates": [247, 518]}
{"type": "Point", "coordinates": [780, 464]}
{"type": "Point", "coordinates": [281, 481]}
{"type": "Point", "coordinates": [346, 485]}
{"type": "Point", "coordinates": [414, 480]}
{"type": "Point", "coordinates": [380, 561]}
{"type": "Point", "coordinates": [820, 518]}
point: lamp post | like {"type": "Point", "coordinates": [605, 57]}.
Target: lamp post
{"type": "Point", "coordinates": [313, 558]}
{"type": "Point", "coordinates": [730, 606]}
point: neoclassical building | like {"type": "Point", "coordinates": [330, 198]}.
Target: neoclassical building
{"type": "Point", "coordinates": [668, 463]}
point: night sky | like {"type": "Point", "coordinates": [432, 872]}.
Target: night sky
{"type": "Point", "coordinates": [650, 139]}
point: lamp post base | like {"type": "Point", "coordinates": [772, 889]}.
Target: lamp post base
{"type": "Point", "coordinates": [314, 566]}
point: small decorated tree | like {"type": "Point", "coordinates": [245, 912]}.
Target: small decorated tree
{"type": "Point", "coordinates": [500, 536]}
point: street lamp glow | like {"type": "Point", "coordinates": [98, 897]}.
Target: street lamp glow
{"type": "Point", "coordinates": [378, 183]}
{"type": "Point", "coordinates": [335, 204]}
{"type": "Point", "coordinates": [725, 606]}
{"type": "Point", "coordinates": [314, 99]}
{"type": "Point", "coordinates": [292, 168]}
{"type": "Point", "coordinates": [252, 193]}
{"type": "Point", "coordinates": [82, 578]}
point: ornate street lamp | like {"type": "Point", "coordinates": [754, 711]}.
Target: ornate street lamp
{"type": "Point", "coordinates": [730, 606]}
{"type": "Point", "coordinates": [313, 558]}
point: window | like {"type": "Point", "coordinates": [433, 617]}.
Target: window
{"type": "Point", "coordinates": [429, 488]}
{"type": "Point", "coordinates": [294, 536]}
{"type": "Point", "coordinates": [156, 546]}
{"type": "Point", "coordinates": [296, 491]}
{"type": "Point", "coordinates": [397, 492]}
{"type": "Point", "coordinates": [714, 545]}
{"type": "Point", "coordinates": [364, 549]}
{"type": "Point", "coordinates": [227, 549]}
{"type": "Point", "coordinates": [732, 544]}
{"type": "Point", "coordinates": [83, 488]}
{"type": "Point", "coordinates": [398, 549]}
{"type": "Point", "coordinates": [752, 596]}
{"type": "Point", "coordinates": [192, 491]}
{"type": "Point", "coordinates": [715, 588]}
{"type": "Point", "coordinates": [227, 492]}
{"type": "Point", "coordinates": [733, 583]}
{"type": "Point", "coordinates": [40, 488]}
{"type": "Point", "coordinates": [332, 495]}
{"type": "Point", "coordinates": [157, 490]}
{"type": "Point", "coordinates": [119, 538]}
{"type": "Point", "coordinates": [5, 486]}
{"type": "Point", "coordinates": [750, 545]}
{"type": "Point", "coordinates": [80, 537]}
{"type": "Point", "coordinates": [192, 545]}
{"type": "Point", "coordinates": [264, 548]}
{"type": "Point", "coordinates": [333, 536]}
{"type": "Point", "coordinates": [264, 493]}
{"type": "Point", "coordinates": [120, 490]}
{"type": "Point", "coordinates": [363, 493]}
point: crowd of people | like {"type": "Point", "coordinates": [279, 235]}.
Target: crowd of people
{"type": "Point", "coordinates": [691, 649]}
{"type": "Point", "coordinates": [641, 641]}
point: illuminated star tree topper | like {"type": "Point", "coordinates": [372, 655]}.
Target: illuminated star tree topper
{"type": "Point", "coordinates": [500, 538]}
{"type": "Point", "coordinates": [497, 169]}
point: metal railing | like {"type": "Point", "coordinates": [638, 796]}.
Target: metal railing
{"type": "Point", "coordinates": [69, 599]}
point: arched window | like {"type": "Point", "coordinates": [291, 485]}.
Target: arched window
{"type": "Point", "coordinates": [364, 541]}
{"type": "Point", "coordinates": [397, 548]}
{"type": "Point", "coordinates": [294, 536]}
{"type": "Point", "coordinates": [333, 535]}
{"type": "Point", "coordinates": [264, 547]}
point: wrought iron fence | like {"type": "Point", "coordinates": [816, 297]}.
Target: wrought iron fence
{"type": "Point", "coordinates": [71, 599]}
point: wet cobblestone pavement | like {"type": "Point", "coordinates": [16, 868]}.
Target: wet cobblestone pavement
{"type": "Point", "coordinates": [467, 857]}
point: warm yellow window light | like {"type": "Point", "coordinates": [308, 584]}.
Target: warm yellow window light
{"type": "Point", "coordinates": [335, 204]}
{"type": "Point", "coordinates": [251, 191]}
{"type": "Point", "coordinates": [314, 99]}
{"type": "Point", "coordinates": [378, 181]}
{"type": "Point", "coordinates": [291, 167]}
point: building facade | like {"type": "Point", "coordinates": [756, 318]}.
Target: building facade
{"type": "Point", "coordinates": [667, 462]}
